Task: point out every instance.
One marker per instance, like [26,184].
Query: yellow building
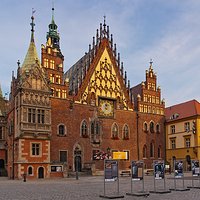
[183,133]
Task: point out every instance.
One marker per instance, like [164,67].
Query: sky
[168,32]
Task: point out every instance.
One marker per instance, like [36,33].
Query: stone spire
[31,55]
[1,94]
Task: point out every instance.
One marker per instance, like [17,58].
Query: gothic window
[125,132]
[145,151]
[151,127]
[145,127]
[61,130]
[152,149]
[84,130]
[92,128]
[30,171]
[115,132]
[157,128]
[145,108]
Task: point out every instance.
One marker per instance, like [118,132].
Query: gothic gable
[34,79]
[104,80]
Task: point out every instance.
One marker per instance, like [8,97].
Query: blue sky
[166,31]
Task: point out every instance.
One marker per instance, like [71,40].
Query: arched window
[145,151]
[159,152]
[115,132]
[152,149]
[157,128]
[92,128]
[30,171]
[152,127]
[145,127]
[84,130]
[61,130]
[125,132]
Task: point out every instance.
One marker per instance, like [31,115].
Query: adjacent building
[182,133]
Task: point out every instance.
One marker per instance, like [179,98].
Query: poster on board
[111,170]
[178,172]
[137,170]
[159,169]
[195,168]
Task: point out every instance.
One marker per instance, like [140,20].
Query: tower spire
[32,26]
[53,35]
[31,55]
[52,21]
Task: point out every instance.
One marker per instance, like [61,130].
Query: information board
[159,169]
[137,170]
[195,168]
[117,155]
[178,168]
[111,170]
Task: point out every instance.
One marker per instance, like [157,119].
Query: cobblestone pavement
[89,188]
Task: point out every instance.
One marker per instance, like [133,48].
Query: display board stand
[137,175]
[195,174]
[111,176]
[179,175]
[159,175]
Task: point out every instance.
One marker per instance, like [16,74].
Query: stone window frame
[40,149]
[32,170]
[145,127]
[58,130]
[126,135]
[152,126]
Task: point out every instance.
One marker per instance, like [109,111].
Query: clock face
[106,108]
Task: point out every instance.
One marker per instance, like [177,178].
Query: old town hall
[60,121]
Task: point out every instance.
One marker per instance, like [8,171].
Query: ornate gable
[99,74]
[34,79]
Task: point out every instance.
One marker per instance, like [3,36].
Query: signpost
[111,175]
[137,174]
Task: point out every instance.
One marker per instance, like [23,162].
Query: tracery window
[115,132]
[84,130]
[126,132]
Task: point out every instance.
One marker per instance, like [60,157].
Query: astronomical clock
[106,108]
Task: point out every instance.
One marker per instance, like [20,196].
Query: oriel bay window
[32,113]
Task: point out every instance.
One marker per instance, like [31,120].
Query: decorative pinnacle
[104,22]
[52,11]
[32,26]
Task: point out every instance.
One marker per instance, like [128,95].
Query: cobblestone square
[89,188]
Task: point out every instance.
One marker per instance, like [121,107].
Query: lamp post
[76,161]
[108,152]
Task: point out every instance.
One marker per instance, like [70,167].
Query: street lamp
[76,161]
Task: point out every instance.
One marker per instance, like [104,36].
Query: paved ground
[89,188]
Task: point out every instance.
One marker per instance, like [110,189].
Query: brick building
[67,121]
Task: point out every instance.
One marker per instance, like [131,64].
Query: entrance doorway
[188,163]
[77,163]
[41,172]
[1,164]
[77,158]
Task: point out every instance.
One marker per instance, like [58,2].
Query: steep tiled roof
[182,110]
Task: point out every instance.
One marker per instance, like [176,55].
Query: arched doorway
[77,159]
[40,172]
[188,163]
[1,164]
